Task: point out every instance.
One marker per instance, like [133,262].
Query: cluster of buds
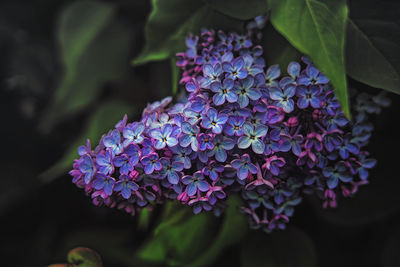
[239,129]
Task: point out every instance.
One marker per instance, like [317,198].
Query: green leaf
[318,30]
[371,59]
[84,257]
[94,50]
[239,9]
[179,239]
[99,123]
[291,247]
[233,229]
[171,21]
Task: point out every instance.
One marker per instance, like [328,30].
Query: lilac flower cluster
[240,129]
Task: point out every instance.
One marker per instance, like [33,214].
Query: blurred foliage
[65,75]
[81,257]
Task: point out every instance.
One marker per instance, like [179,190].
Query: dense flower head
[241,128]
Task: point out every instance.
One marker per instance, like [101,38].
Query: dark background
[42,217]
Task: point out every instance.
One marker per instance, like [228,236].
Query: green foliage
[371,58]
[318,30]
[94,48]
[100,121]
[239,9]
[182,237]
[291,247]
[171,21]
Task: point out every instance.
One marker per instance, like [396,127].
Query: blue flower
[211,74]
[347,147]
[124,163]
[189,136]
[151,163]
[125,185]
[309,96]
[234,126]
[366,164]
[312,76]
[235,69]
[253,136]
[195,183]
[86,167]
[243,166]
[184,155]
[335,174]
[113,141]
[214,121]
[245,90]
[212,170]
[104,163]
[205,141]
[133,133]
[223,92]
[164,137]
[221,145]
[283,98]
[104,182]
[273,73]
[170,170]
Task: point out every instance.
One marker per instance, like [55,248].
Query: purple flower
[253,136]
[86,167]
[235,69]
[308,96]
[124,163]
[223,92]
[192,116]
[205,141]
[151,163]
[221,146]
[313,140]
[212,170]
[170,170]
[214,120]
[199,204]
[214,193]
[274,163]
[104,163]
[125,185]
[104,182]
[234,126]
[189,136]
[243,166]
[245,90]
[82,150]
[292,142]
[133,133]
[195,183]
[113,141]
[283,98]
[164,137]
[312,76]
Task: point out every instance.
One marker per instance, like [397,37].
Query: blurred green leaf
[233,229]
[277,50]
[239,9]
[291,247]
[171,21]
[84,257]
[81,257]
[94,49]
[374,58]
[178,240]
[318,30]
[100,122]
